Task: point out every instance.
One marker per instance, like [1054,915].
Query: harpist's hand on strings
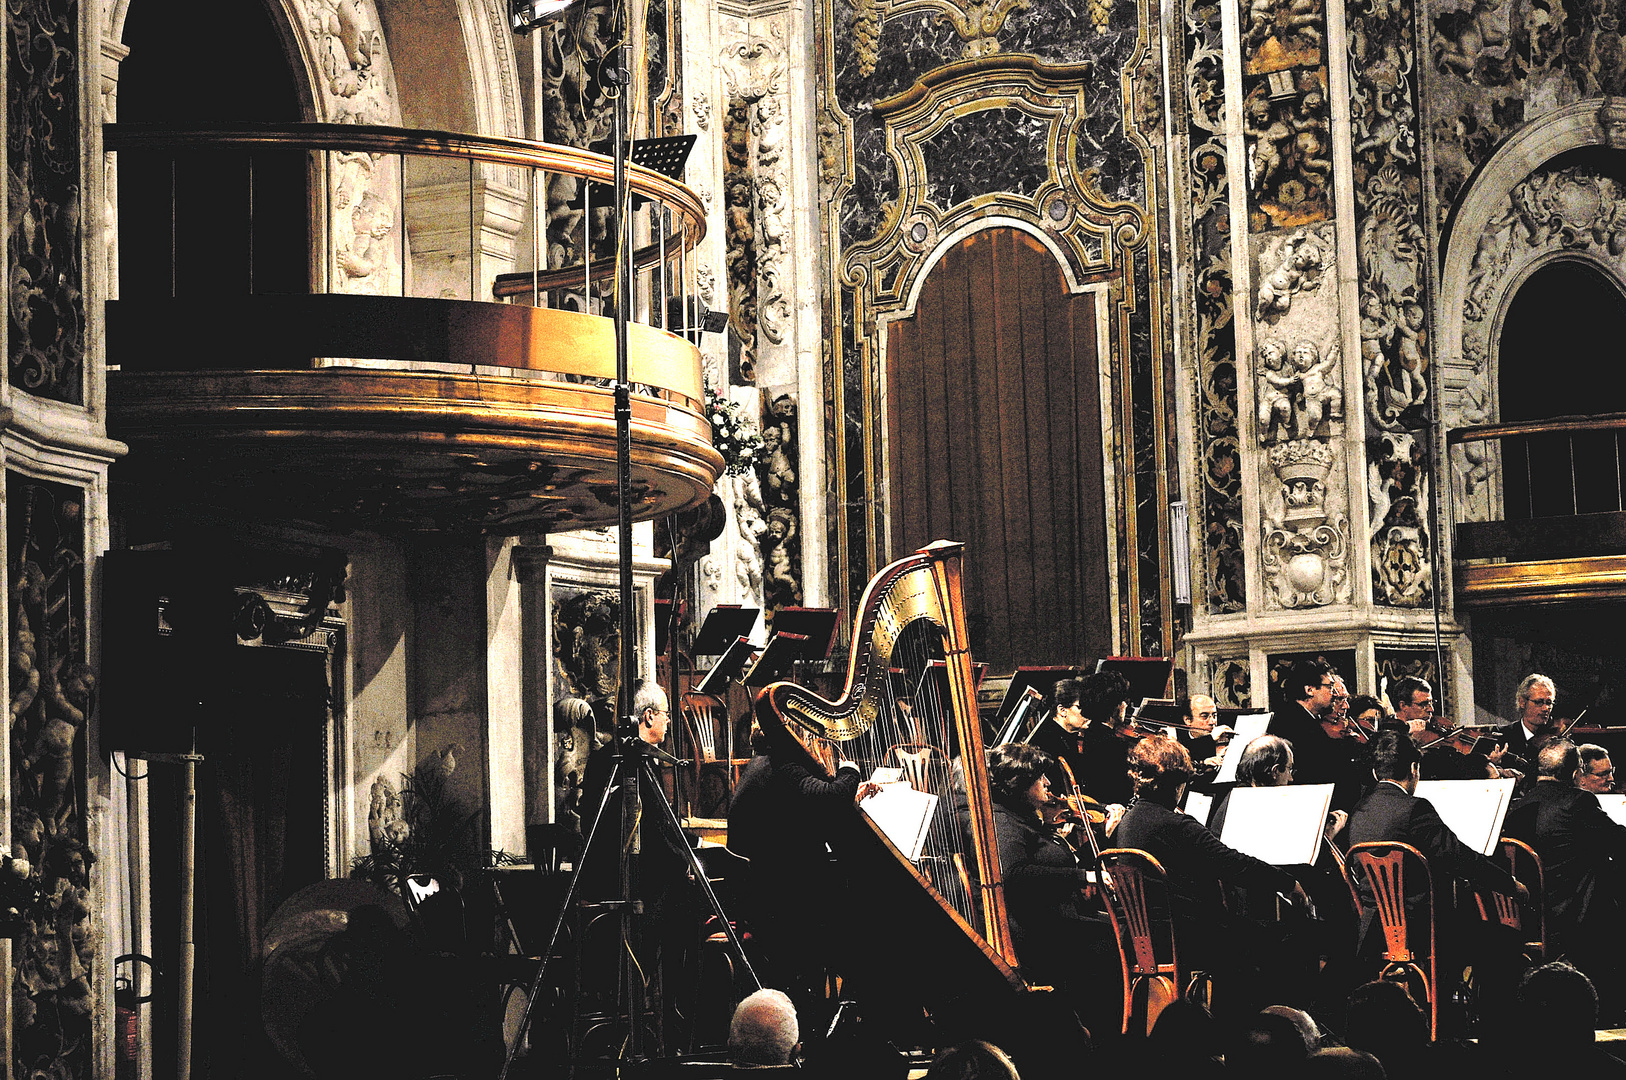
[866,789]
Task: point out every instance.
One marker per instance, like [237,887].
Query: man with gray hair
[1533,703]
[763,1032]
[1580,849]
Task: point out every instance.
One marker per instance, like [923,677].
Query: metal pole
[189,836]
[630,806]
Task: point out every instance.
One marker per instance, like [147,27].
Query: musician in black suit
[1582,852]
[1307,721]
[1390,811]
[1534,704]
[1197,865]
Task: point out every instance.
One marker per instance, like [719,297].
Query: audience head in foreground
[975,1060]
[764,1030]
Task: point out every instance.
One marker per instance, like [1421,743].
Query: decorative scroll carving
[1230,682]
[575,112]
[1281,33]
[1570,212]
[1091,230]
[45,272]
[53,995]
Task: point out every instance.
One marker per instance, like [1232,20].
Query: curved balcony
[1557,515]
[309,328]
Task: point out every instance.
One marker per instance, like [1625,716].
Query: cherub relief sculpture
[1275,389]
[1299,271]
[1318,385]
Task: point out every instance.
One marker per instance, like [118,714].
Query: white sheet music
[903,814]
[1281,825]
[1473,809]
[1614,806]
[1248,727]
[1199,805]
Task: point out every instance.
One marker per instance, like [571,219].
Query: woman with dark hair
[1058,940]
[1197,865]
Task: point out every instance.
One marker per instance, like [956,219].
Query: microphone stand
[631,765]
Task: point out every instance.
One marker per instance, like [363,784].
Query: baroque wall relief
[1394,300]
[1299,420]
[1496,67]
[1567,213]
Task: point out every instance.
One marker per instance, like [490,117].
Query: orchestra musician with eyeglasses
[1310,720]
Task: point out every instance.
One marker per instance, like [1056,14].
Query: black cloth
[1318,758]
[1390,813]
[1058,940]
[1443,762]
[663,863]
[1098,758]
[1582,852]
[1255,962]
[1518,740]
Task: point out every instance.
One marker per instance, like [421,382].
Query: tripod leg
[564,913]
[674,830]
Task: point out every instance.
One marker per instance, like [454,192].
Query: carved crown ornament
[977,22]
[1025,107]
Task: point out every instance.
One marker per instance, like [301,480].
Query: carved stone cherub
[1275,388]
[1299,271]
[1318,381]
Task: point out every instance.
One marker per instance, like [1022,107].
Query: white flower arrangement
[733,434]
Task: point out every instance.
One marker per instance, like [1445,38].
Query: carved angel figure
[1275,388]
[1318,381]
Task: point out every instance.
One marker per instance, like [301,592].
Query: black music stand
[1148,676]
[723,625]
[1043,680]
[817,624]
[666,156]
[780,654]
[727,668]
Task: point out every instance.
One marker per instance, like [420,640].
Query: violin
[1459,739]
[1358,731]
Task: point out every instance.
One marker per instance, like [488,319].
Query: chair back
[1409,951]
[925,766]
[1142,920]
[1529,917]
[700,721]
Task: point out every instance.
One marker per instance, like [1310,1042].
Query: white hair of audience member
[763,1031]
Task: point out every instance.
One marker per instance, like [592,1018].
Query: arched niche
[1555,192]
[993,436]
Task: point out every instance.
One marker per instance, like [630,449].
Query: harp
[909,704]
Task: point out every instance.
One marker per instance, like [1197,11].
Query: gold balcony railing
[344,294]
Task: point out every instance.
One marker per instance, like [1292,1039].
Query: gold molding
[1545,581]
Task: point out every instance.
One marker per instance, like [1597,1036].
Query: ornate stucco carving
[1298,419]
[1092,231]
[700,105]
[1568,213]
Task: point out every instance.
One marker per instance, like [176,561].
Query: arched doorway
[994,438]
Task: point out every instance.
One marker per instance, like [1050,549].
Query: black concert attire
[1247,955]
[1519,740]
[1583,853]
[1061,745]
[1318,758]
[1389,812]
[1441,761]
[1097,757]
[1058,940]
[780,817]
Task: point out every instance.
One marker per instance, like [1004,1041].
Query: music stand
[777,657]
[727,668]
[1043,680]
[1148,676]
[666,156]
[723,625]
[817,624]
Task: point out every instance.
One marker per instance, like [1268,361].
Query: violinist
[1367,715]
[1534,702]
[1449,753]
[1304,721]
[1058,940]
[1081,733]
[1207,737]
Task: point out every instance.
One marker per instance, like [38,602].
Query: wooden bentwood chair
[1387,868]
[1527,919]
[1143,922]
[715,770]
